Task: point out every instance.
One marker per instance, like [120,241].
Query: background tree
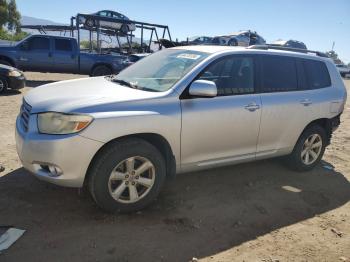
[14,17]
[3,13]
[332,54]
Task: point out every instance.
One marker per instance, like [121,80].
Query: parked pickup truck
[45,53]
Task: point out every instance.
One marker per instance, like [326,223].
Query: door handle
[252,107]
[306,102]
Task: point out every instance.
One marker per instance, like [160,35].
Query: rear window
[317,75]
[63,45]
[279,74]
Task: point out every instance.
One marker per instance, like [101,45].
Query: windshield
[159,71]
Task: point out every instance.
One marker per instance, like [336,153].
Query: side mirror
[203,88]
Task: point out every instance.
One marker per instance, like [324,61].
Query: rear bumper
[72,154]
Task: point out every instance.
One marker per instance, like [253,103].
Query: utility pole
[333,46]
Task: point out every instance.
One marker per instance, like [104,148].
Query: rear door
[287,107]
[37,56]
[64,56]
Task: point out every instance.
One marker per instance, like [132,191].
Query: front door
[36,54]
[225,128]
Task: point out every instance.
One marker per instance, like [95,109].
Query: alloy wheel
[131,180]
[311,149]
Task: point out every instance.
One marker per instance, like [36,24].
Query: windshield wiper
[128,84]
[123,82]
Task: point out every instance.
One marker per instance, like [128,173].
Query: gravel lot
[252,212]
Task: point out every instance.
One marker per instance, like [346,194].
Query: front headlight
[14,73]
[59,123]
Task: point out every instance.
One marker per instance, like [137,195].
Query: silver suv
[179,110]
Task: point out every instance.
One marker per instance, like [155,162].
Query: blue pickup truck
[46,53]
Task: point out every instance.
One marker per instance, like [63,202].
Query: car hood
[7,46]
[87,95]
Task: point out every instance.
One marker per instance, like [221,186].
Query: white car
[107,19]
[344,70]
[242,38]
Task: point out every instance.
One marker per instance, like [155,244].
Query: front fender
[108,126]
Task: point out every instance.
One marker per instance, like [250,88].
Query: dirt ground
[252,212]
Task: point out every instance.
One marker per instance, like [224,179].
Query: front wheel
[101,70]
[126,176]
[309,149]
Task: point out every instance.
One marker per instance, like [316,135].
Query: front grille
[24,114]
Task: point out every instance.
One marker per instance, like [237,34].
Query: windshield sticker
[189,56]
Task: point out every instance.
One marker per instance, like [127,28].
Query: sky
[318,23]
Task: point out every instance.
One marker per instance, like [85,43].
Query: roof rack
[299,50]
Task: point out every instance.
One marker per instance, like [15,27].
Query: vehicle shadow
[197,214]
[11,92]
[36,83]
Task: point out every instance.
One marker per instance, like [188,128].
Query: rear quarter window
[317,75]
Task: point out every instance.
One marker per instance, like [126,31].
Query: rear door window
[278,74]
[317,75]
[63,45]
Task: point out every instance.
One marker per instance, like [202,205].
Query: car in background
[58,54]
[344,70]
[290,44]
[200,40]
[242,38]
[10,78]
[133,58]
[107,19]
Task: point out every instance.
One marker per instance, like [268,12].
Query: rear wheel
[233,42]
[309,149]
[124,29]
[101,70]
[126,176]
[90,23]
[3,85]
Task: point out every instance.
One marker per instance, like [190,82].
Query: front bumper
[71,153]
[16,82]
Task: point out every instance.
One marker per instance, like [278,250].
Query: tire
[3,85]
[296,161]
[101,70]
[113,157]
[232,42]
[124,29]
[4,62]
[90,23]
